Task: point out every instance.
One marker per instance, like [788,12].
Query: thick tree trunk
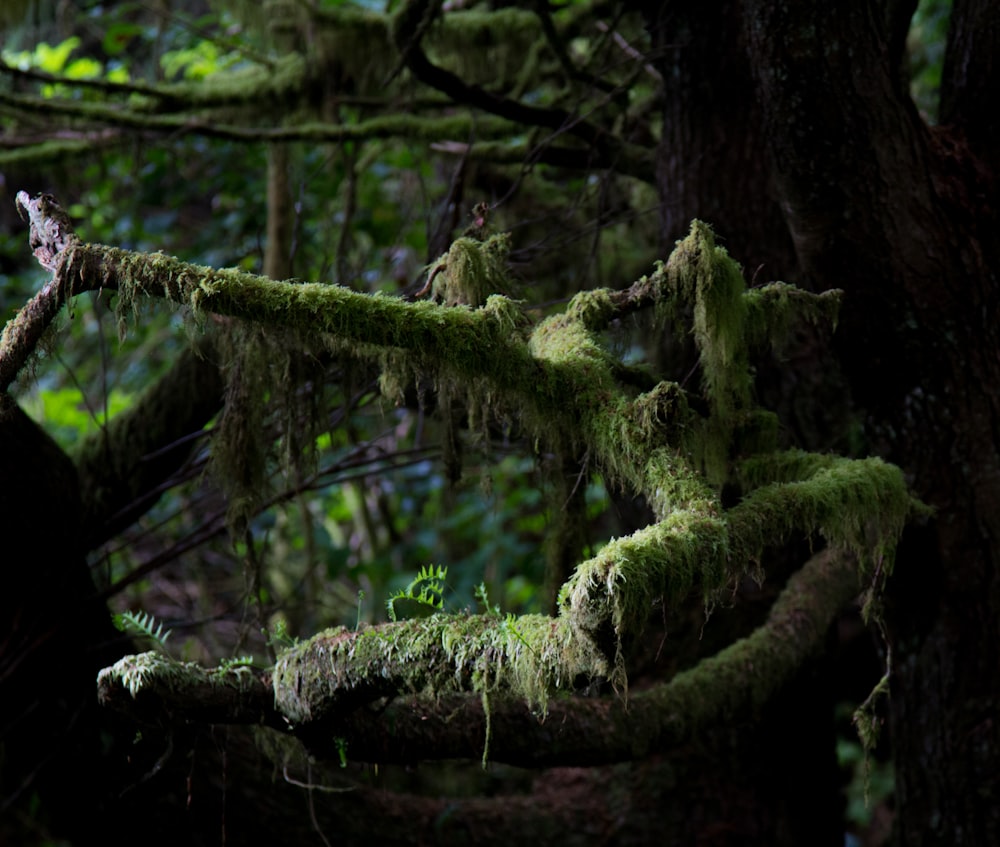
[904,219]
[713,165]
[712,159]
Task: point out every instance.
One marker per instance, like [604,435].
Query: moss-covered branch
[296,88]
[318,686]
[149,684]
[199,122]
[335,672]
[561,382]
[409,28]
[728,688]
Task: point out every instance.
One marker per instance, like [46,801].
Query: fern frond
[426,588]
[142,623]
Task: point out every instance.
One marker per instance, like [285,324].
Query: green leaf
[53,59]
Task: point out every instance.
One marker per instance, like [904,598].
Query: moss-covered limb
[268,77]
[729,317]
[861,505]
[123,467]
[728,688]
[282,90]
[398,125]
[29,150]
[858,505]
[151,686]
[339,670]
[609,597]
[765,468]
[772,309]
[472,343]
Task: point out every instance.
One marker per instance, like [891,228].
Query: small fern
[483,598]
[236,662]
[142,623]
[510,627]
[427,589]
[279,637]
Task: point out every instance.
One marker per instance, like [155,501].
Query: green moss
[58,151]
[487,48]
[591,309]
[527,656]
[784,466]
[471,271]
[281,81]
[702,274]
[560,381]
[860,505]
[772,308]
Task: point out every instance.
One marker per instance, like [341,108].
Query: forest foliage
[482,427]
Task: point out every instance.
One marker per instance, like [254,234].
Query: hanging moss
[471,271]
[783,466]
[772,309]
[858,504]
[527,656]
[560,380]
[702,274]
[487,48]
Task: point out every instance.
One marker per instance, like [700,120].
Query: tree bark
[903,218]
[712,158]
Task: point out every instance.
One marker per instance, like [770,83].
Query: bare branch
[50,236]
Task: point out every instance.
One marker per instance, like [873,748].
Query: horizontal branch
[559,378]
[729,687]
[609,150]
[399,125]
[151,685]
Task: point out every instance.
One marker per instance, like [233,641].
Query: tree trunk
[903,218]
[712,158]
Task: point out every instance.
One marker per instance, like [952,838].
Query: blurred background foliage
[337,540]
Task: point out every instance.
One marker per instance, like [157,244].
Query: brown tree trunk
[713,164]
[712,159]
[904,219]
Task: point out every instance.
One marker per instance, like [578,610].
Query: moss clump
[701,274]
[527,656]
[591,309]
[471,271]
